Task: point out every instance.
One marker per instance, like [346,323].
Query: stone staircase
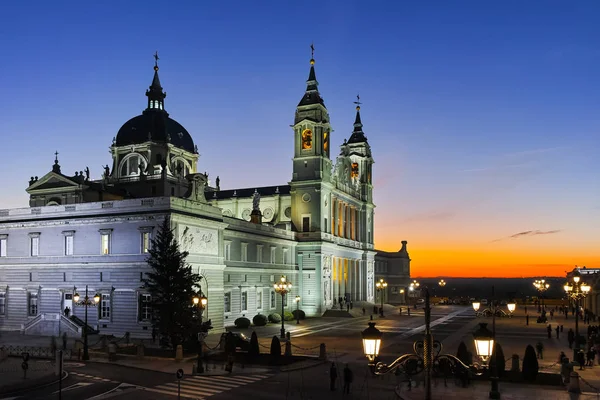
[51,324]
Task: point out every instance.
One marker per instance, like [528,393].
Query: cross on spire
[156,60]
[56,156]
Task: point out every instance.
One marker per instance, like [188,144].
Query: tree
[498,358]
[171,285]
[530,364]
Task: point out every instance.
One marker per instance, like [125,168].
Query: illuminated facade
[317,230]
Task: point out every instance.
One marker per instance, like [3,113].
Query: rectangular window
[2,303]
[227,302]
[227,251]
[105,306]
[272,299]
[145,241]
[285,256]
[35,246]
[259,250]
[3,244]
[105,241]
[273,255]
[68,245]
[244,256]
[145,311]
[259,299]
[244,301]
[33,304]
[305,224]
[325,224]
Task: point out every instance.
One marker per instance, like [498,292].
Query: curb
[141,368]
[32,384]
[300,367]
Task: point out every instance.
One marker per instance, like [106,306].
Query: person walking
[557,331]
[348,377]
[549,329]
[332,376]
[527,319]
[571,337]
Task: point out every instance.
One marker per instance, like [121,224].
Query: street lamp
[442,283]
[512,306]
[476,306]
[423,359]
[200,302]
[86,302]
[283,287]
[541,286]
[414,285]
[297,300]
[576,290]
[381,286]
[484,342]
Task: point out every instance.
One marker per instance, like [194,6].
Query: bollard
[287,336]
[179,353]
[322,352]
[112,352]
[515,363]
[140,350]
[288,349]
[574,383]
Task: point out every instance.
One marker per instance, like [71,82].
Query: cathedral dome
[154,125]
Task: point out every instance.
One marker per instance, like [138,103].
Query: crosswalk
[201,387]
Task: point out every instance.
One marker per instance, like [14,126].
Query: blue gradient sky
[483,118]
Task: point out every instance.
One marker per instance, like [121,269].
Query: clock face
[306,139]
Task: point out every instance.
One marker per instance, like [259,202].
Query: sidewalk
[11,374]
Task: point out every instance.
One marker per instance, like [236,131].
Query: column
[356,280]
[355,224]
[332,207]
[334,275]
[339,218]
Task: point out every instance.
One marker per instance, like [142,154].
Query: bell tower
[311,133]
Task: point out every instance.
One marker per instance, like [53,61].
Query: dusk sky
[483,117]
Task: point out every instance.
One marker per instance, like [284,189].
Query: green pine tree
[171,285]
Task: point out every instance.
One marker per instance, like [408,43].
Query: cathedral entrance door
[67,302]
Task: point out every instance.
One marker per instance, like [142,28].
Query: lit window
[272,299]
[32,304]
[3,244]
[145,241]
[306,139]
[244,301]
[105,242]
[354,171]
[145,310]
[227,302]
[105,306]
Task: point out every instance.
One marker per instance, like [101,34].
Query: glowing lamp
[484,342]
[76,297]
[511,307]
[476,306]
[96,298]
[371,341]
[585,288]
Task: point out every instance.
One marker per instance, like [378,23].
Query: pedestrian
[551,314]
[527,319]
[557,331]
[561,357]
[590,357]
[525,309]
[351,305]
[332,376]
[348,307]
[408,311]
[571,337]
[348,377]
[364,311]
[67,312]
[549,329]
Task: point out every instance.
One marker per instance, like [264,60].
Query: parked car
[484,302]
[242,341]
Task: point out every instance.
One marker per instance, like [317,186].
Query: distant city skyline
[482,118]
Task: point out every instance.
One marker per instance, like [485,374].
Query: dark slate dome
[154,125]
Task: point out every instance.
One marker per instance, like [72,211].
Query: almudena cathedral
[317,230]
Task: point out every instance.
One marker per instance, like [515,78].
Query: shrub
[463,354]
[254,350]
[302,314]
[530,364]
[259,320]
[275,318]
[288,316]
[498,358]
[275,350]
[242,322]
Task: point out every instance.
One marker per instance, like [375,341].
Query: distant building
[590,276]
[317,230]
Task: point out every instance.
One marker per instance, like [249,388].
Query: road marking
[76,386]
[439,321]
[336,325]
[202,386]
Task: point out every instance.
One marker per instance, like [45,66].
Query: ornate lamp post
[283,287]
[86,302]
[297,300]
[381,286]
[200,302]
[414,285]
[442,283]
[576,290]
[423,358]
[476,306]
[541,286]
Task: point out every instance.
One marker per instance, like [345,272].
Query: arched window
[130,166]
[179,167]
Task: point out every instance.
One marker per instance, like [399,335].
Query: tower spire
[358,136]
[312,95]
[155,94]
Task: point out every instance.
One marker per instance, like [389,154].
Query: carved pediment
[50,181]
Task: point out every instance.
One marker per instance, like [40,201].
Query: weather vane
[312,50]
[156,59]
[357,102]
